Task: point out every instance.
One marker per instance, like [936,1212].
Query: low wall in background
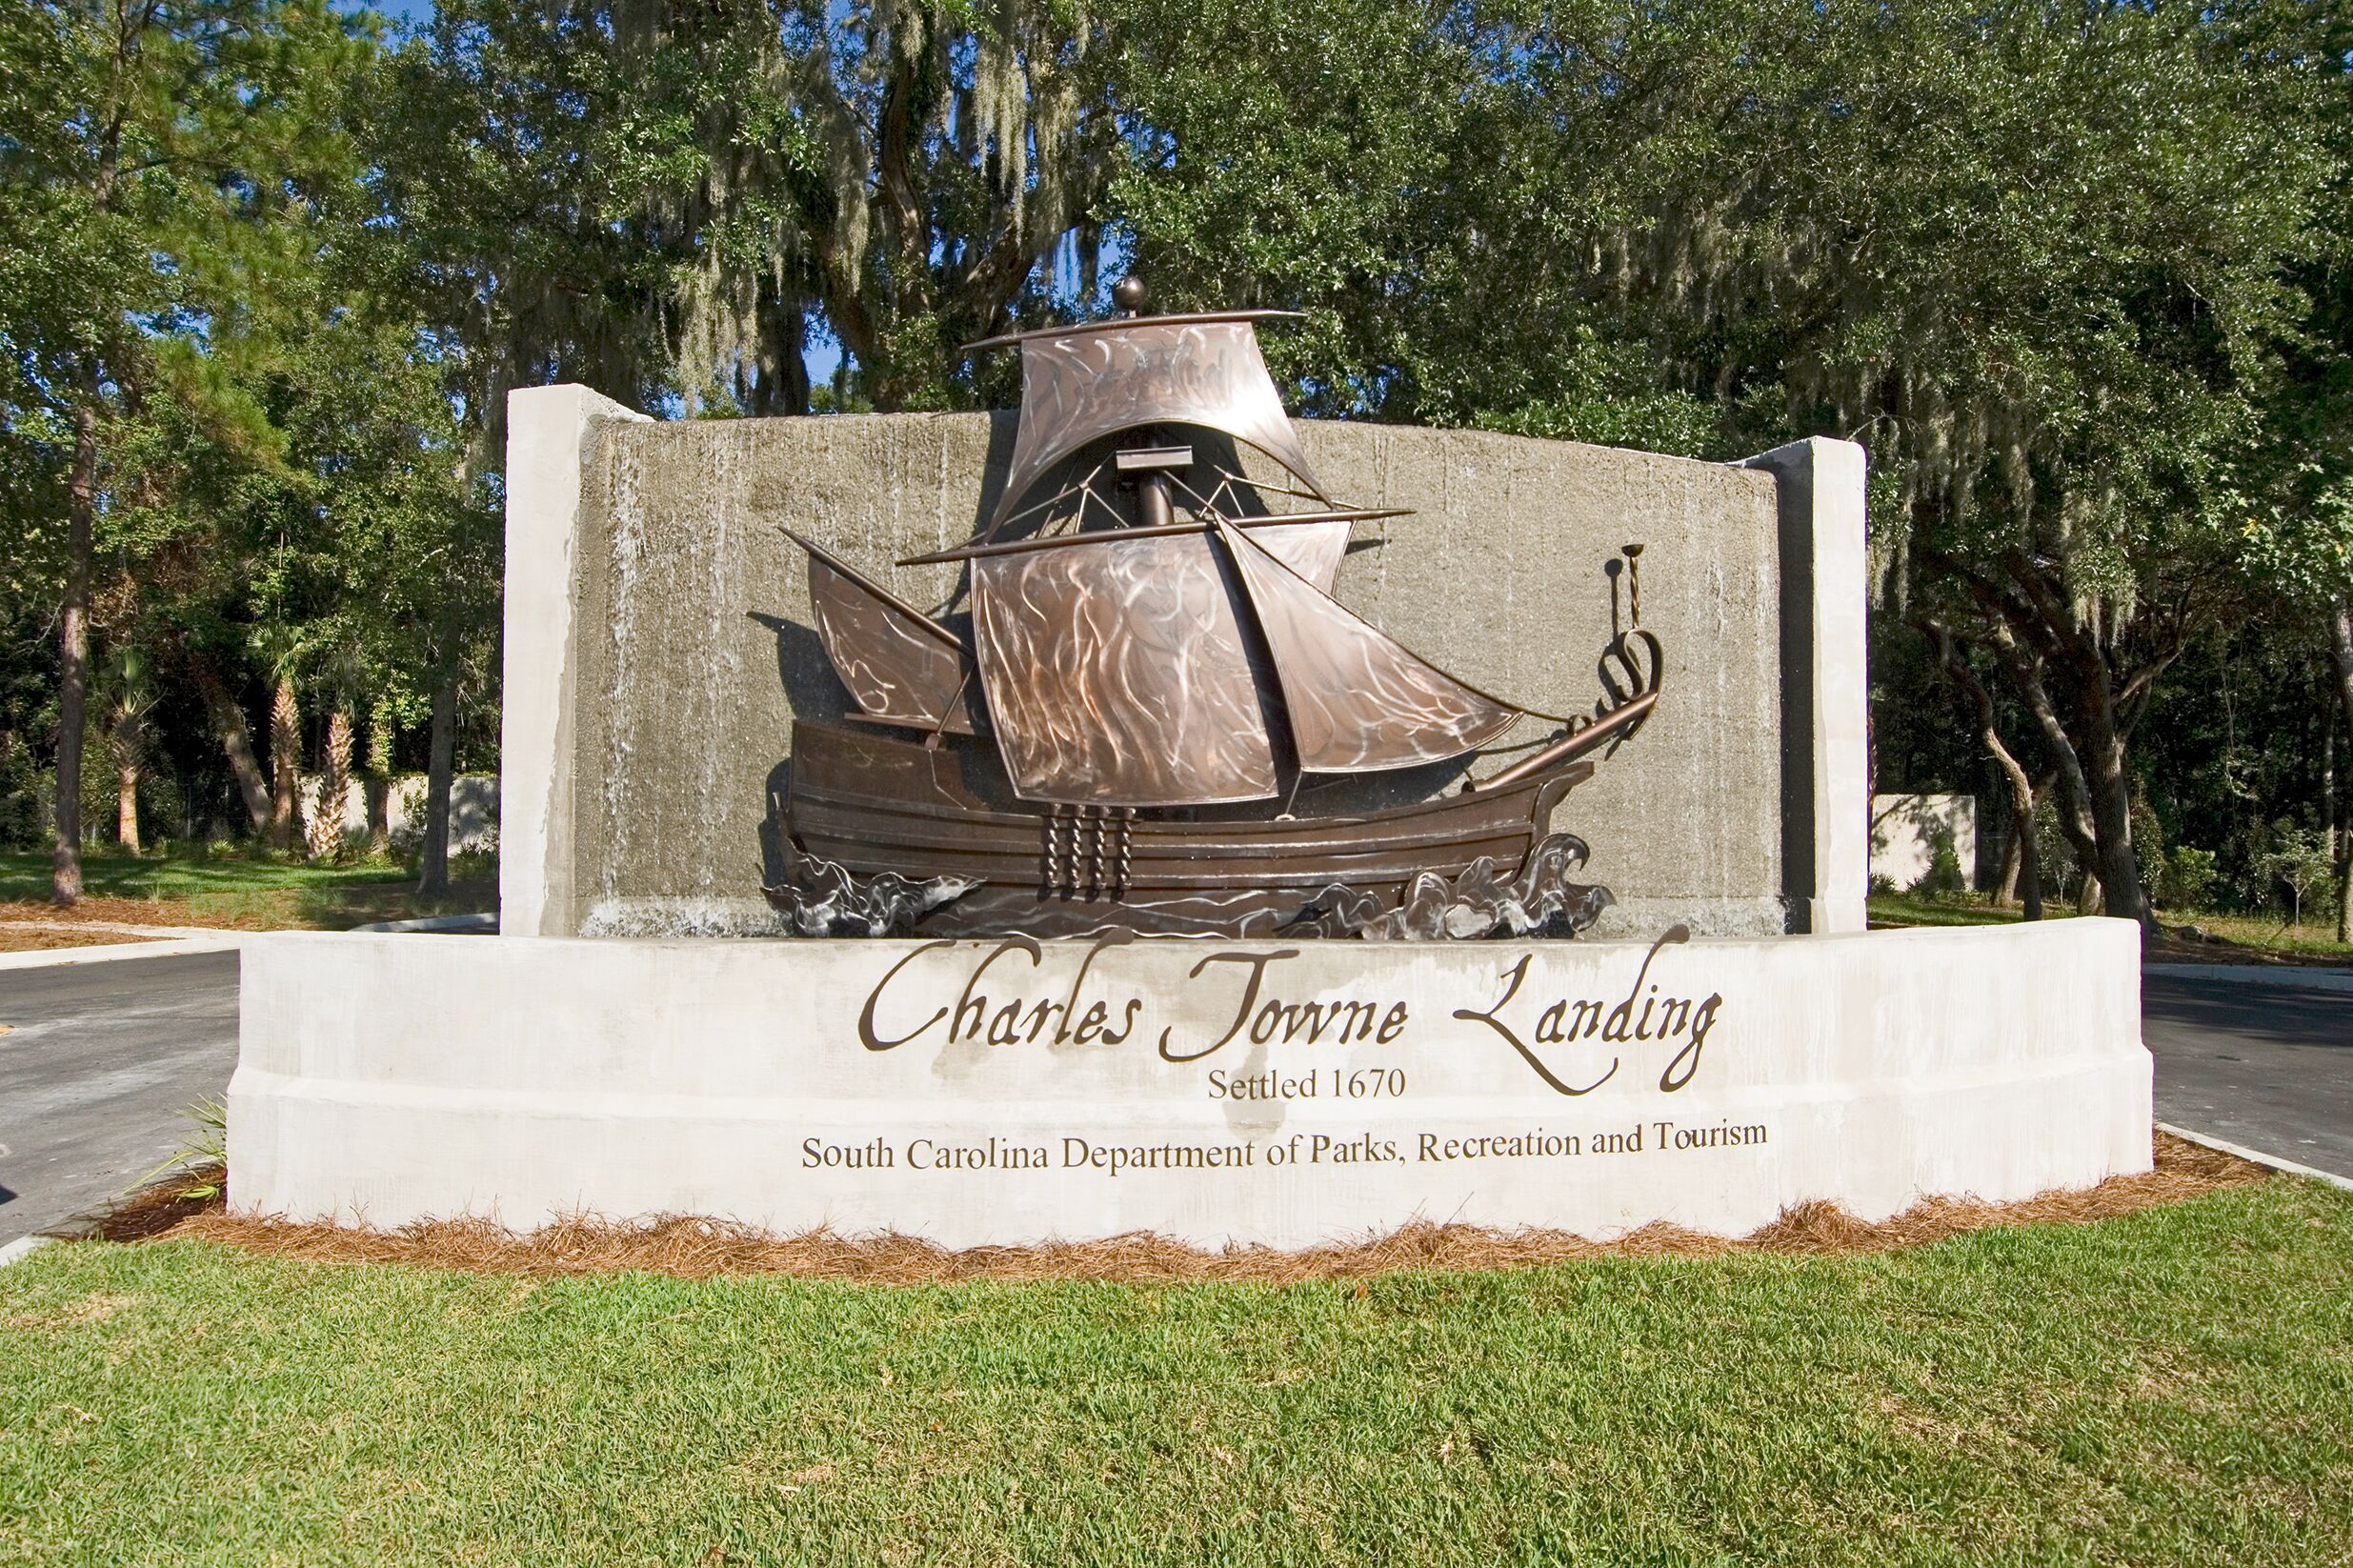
[980,1092]
[658,644]
[474,810]
[1905,830]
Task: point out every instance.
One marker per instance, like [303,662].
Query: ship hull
[873,805]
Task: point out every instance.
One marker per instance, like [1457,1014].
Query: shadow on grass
[1895,910]
[251,889]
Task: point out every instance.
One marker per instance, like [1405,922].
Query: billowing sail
[899,665]
[1357,701]
[1088,382]
[1311,550]
[1117,674]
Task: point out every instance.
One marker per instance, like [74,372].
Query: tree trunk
[432,878]
[2021,805]
[285,764]
[2021,860]
[2328,781]
[378,783]
[125,742]
[335,788]
[2029,853]
[65,878]
[2111,808]
[228,719]
[2341,646]
[2038,629]
[2074,820]
[378,789]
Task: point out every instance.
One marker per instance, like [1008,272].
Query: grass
[2262,930]
[2170,1387]
[2257,933]
[238,888]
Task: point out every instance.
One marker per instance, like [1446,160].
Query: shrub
[1944,873]
[2186,878]
[2297,864]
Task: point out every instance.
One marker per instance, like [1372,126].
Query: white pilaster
[547,431]
[1825,690]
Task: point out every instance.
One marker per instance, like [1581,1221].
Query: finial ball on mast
[1128,294]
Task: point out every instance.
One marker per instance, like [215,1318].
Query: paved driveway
[98,1061]
[2269,1066]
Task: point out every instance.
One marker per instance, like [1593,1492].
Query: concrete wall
[658,643]
[387,1079]
[1904,831]
[474,810]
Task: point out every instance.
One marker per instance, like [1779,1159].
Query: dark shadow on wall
[810,691]
[1004,425]
[775,834]
[810,688]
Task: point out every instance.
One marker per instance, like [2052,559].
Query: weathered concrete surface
[970,1092]
[1825,711]
[690,647]
[548,459]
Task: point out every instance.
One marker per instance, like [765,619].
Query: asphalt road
[97,1063]
[100,1059]
[2266,1066]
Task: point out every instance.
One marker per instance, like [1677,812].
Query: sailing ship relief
[1156,678]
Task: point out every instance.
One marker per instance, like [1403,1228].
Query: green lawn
[1923,909]
[2171,1387]
[251,889]
[2259,932]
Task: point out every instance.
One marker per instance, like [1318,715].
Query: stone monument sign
[1204,791]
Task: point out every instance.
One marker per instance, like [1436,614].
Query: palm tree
[130,698]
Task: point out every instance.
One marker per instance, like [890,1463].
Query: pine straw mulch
[699,1249]
[44,938]
[99,909]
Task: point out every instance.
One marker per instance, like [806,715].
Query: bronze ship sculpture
[1117,740]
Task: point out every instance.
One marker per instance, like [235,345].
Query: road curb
[460,925]
[106,952]
[2310,980]
[22,1248]
[2270,1162]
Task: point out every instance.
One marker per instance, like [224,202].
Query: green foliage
[201,1164]
[2190,874]
[2294,867]
[2050,266]
[668,202]
[1945,872]
[2073,276]
[2060,873]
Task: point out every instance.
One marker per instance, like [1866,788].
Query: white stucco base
[387,1079]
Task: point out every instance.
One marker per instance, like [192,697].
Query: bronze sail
[1155,690]
[901,666]
[1357,700]
[1312,551]
[1085,383]
[1117,674]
